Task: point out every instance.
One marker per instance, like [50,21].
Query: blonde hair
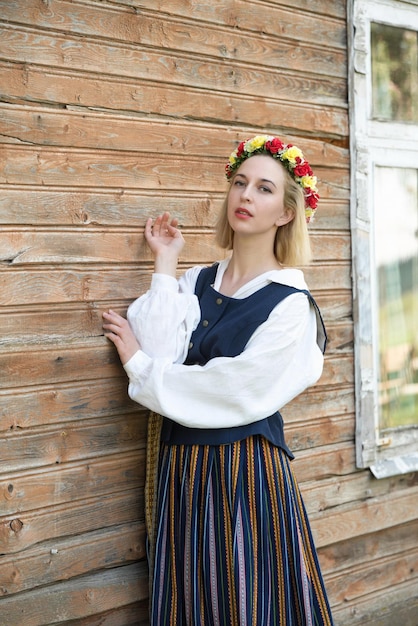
[292,246]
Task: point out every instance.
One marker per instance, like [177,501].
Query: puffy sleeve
[281,359]
[164,318]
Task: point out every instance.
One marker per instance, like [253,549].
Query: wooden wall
[110,112]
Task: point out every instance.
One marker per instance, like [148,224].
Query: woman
[217,353]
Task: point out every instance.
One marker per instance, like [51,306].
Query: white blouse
[281,359]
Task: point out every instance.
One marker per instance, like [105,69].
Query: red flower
[303,169]
[240,149]
[311,198]
[274,145]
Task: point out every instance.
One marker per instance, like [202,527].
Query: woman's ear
[286,217]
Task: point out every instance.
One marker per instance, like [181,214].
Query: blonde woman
[217,353]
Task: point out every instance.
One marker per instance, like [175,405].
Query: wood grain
[78,89]
[77,597]
[179,68]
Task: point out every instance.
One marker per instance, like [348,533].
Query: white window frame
[385,144]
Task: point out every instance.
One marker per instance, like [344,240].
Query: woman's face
[255,199]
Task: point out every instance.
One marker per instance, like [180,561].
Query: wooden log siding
[110,112]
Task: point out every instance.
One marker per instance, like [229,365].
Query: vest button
[190,345]
[205,323]
[218,300]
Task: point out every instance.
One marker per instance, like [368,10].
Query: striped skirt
[233,546]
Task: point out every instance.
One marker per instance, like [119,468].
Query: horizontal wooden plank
[112,131]
[117,171]
[51,364]
[316,432]
[338,371]
[355,552]
[336,305]
[62,559]
[377,575]
[32,84]
[335,276]
[361,518]
[107,169]
[98,358]
[94,246]
[318,403]
[77,598]
[69,482]
[331,215]
[73,441]
[62,323]
[336,9]
[136,614]
[69,207]
[323,462]
[35,406]
[98,284]
[20,44]
[397,604]
[83,320]
[72,285]
[340,337]
[91,245]
[95,207]
[355,487]
[45,406]
[76,441]
[26,528]
[244,15]
[159,30]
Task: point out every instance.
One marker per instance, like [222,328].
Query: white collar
[289,276]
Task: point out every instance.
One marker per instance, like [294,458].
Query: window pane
[396,255]
[394,73]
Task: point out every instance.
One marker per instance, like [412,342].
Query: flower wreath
[291,157]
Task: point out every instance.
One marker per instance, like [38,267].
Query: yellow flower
[233,157]
[291,153]
[255,143]
[308,181]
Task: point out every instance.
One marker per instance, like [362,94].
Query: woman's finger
[110,314]
[165,223]
[148,228]
[156,226]
[112,328]
[113,322]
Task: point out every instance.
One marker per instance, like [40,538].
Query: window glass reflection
[394,73]
[396,255]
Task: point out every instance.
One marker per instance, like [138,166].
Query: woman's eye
[239,183]
[266,189]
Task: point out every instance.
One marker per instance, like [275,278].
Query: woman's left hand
[117,329]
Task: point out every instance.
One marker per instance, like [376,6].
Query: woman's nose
[246,193]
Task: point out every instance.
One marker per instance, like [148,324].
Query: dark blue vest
[225,327]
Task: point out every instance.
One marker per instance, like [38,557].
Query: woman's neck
[244,266]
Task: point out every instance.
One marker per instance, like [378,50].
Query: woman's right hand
[165,241]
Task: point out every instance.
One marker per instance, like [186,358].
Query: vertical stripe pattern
[233,542]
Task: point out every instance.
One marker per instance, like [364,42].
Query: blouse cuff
[137,366]
[164,281]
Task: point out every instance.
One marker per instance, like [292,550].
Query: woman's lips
[243,213]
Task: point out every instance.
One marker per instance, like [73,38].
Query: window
[394,73]
[384,220]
